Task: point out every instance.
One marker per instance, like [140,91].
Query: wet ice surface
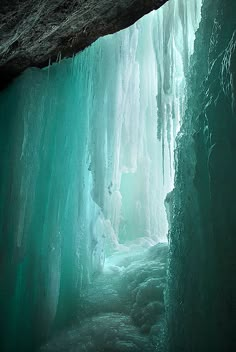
[123,309]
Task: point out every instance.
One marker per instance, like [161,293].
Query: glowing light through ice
[142,92]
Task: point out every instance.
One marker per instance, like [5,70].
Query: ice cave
[118,176]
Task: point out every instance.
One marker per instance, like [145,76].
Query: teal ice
[91,150]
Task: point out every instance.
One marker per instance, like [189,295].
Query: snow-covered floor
[123,309]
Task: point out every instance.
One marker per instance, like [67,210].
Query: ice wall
[144,107]
[68,135]
[126,163]
[46,206]
[201,298]
[173,38]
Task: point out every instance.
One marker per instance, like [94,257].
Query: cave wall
[201,294]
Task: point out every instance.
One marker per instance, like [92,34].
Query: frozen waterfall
[87,153]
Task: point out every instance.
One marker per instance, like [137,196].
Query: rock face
[201,273]
[36,32]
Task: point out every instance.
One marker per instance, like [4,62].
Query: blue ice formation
[87,159]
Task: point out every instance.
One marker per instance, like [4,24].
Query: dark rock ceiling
[32,32]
